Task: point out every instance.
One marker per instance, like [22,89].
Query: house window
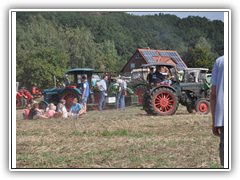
[132,65]
[138,56]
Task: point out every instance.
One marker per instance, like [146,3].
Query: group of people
[34,112]
[51,111]
[121,92]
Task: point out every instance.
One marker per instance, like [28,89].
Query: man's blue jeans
[102,96]
[122,101]
[118,98]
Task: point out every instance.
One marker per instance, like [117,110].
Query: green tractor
[198,75]
[163,98]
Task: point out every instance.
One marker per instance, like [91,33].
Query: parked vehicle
[36,93]
[23,96]
[163,98]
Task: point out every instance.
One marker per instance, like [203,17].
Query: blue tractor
[72,89]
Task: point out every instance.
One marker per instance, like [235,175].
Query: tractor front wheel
[202,106]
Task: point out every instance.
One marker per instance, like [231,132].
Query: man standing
[85,93]
[217,103]
[102,87]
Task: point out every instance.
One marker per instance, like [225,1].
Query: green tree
[200,57]
[37,68]
[109,57]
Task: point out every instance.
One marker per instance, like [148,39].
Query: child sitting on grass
[62,112]
[27,110]
[63,102]
[35,113]
[51,110]
[76,109]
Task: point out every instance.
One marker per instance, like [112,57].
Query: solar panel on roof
[180,65]
[150,53]
[150,59]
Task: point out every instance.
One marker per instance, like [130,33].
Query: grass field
[118,139]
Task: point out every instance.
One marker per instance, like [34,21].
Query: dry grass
[118,139]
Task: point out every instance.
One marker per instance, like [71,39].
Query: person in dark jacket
[158,77]
[149,76]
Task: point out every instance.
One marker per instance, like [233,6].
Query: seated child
[63,103]
[44,110]
[51,110]
[35,113]
[27,110]
[62,111]
[58,113]
[76,109]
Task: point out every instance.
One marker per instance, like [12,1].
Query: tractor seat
[71,86]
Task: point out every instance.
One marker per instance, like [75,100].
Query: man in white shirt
[217,103]
[102,87]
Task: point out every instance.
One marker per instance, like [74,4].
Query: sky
[209,15]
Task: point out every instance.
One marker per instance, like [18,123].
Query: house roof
[160,56]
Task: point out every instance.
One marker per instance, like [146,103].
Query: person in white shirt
[102,87]
[217,103]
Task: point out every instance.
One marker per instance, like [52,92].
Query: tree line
[49,43]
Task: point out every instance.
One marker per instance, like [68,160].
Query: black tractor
[164,98]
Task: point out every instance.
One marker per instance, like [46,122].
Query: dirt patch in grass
[118,139]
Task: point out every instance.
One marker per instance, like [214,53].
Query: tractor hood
[52,91]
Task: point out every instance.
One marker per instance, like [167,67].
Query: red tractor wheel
[163,102]
[68,96]
[202,106]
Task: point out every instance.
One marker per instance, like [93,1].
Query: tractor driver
[158,77]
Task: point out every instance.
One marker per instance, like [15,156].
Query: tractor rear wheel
[139,90]
[23,102]
[162,101]
[68,96]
